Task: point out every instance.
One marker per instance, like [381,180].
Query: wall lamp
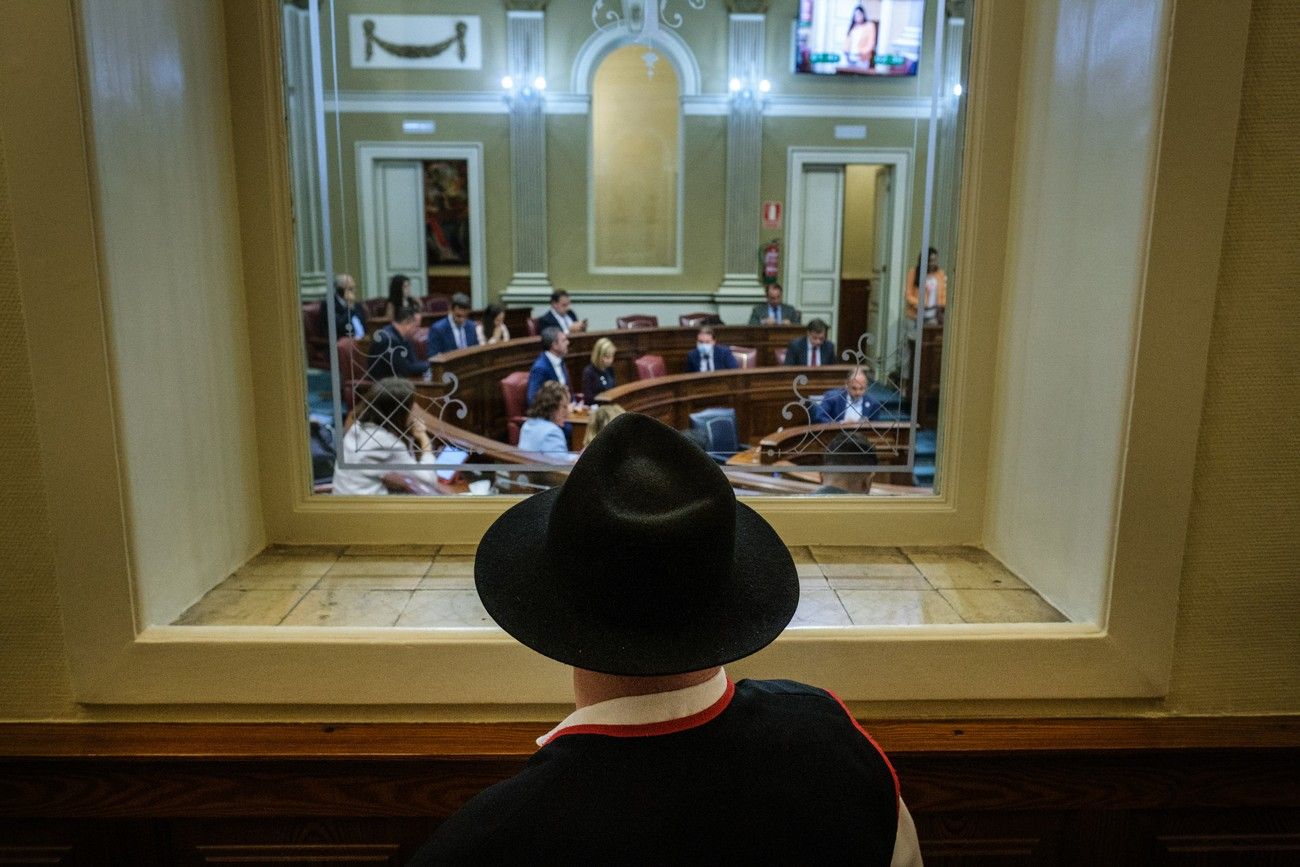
[513,90]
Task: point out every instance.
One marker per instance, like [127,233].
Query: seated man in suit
[550,364]
[349,316]
[813,349]
[708,355]
[847,450]
[773,312]
[849,403]
[455,331]
[560,316]
[392,350]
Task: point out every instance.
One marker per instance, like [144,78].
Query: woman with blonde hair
[601,416]
[598,376]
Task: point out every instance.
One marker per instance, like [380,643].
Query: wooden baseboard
[1063,791]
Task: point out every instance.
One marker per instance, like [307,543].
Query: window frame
[116,660]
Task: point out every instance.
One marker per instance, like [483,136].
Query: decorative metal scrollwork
[881,431]
[415,52]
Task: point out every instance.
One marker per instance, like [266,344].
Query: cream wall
[163,164]
[1237,646]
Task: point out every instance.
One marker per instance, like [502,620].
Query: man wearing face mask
[708,355]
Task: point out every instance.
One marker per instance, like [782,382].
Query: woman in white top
[494,318]
[543,431]
[384,436]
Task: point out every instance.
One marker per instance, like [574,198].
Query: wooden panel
[480,369]
[1052,792]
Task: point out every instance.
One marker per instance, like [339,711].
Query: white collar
[553,358]
[646,710]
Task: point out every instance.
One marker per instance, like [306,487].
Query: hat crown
[646,522]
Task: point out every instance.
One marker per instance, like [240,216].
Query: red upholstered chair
[533,328]
[352,369]
[318,341]
[374,307]
[514,392]
[437,305]
[650,366]
[695,320]
[637,320]
[746,356]
[779,355]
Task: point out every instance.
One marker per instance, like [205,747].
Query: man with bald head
[849,403]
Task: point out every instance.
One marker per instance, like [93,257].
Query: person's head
[849,450]
[856,384]
[387,404]
[493,315]
[685,577]
[931,261]
[399,290]
[406,320]
[460,305]
[555,341]
[560,301]
[602,355]
[345,287]
[816,332]
[601,416]
[774,293]
[704,338]
[859,17]
[551,402]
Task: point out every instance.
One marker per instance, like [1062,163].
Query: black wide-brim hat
[641,563]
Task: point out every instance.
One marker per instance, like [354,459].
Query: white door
[398,231]
[817,283]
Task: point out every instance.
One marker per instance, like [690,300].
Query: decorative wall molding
[744,155]
[526,60]
[696,105]
[426,41]
[602,42]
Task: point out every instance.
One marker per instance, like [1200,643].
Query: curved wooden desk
[758,395]
[479,369]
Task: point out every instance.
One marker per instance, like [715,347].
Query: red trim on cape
[866,734]
[647,730]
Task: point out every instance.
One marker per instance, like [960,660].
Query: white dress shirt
[380,450]
[558,364]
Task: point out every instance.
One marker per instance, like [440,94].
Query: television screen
[858,37]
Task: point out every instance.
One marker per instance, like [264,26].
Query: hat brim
[515,583]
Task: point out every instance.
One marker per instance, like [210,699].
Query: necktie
[814,356]
[706,363]
[460,336]
[776,315]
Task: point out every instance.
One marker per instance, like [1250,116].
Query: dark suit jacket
[796,354]
[834,402]
[594,381]
[391,355]
[342,318]
[442,335]
[789,315]
[541,372]
[722,359]
[550,320]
